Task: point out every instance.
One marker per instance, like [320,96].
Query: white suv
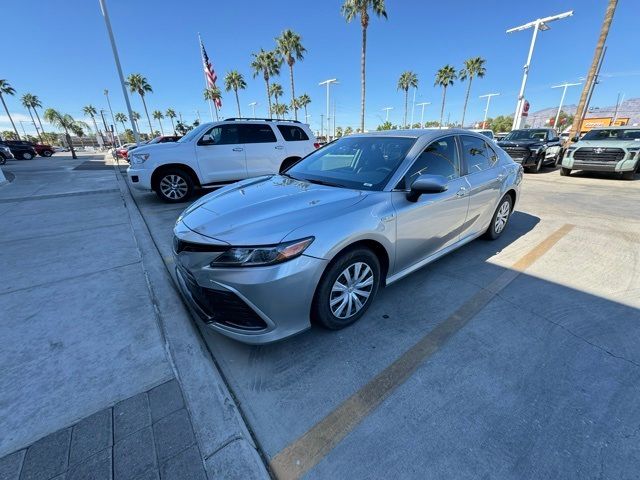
[219,153]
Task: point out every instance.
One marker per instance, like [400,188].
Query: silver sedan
[261,259]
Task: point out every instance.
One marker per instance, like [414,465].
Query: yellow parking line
[303,454]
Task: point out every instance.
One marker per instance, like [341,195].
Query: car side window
[291,133]
[477,154]
[256,133]
[438,158]
[221,135]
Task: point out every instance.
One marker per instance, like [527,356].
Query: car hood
[607,143]
[263,210]
[156,147]
[520,143]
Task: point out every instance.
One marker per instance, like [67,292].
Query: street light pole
[328,84]
[539,24]
[115,125]
[486,109]
[253,108]
[387,110]
[23,130]
[105,126]
[564,87]
[116,57]
[423,104]
[413,106]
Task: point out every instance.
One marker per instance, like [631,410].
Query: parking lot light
[486,109]
[564,87]
[423,104]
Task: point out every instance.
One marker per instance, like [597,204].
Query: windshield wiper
[322,182]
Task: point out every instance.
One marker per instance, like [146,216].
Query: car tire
[565,172]
[288,163]
[628,175]
[47,153]
[2,160]
[334,308]
[558,161]
[500,218]
[26,156]
[539,164]
[174,186]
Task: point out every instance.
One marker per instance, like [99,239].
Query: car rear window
[291,133]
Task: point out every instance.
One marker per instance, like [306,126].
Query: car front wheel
[174,186]
[346,289]
[565,172]
[500,218]
[27,156]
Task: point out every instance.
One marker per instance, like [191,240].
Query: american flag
[209,73]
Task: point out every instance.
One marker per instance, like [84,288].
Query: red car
[44,150]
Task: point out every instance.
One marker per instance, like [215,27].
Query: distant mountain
[629,108]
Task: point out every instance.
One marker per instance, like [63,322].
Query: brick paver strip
[165,399]
[134,455]
[186,465]
[131,415]
[173,434]
[97,467]
[11,464]
[47,457]
[90,436]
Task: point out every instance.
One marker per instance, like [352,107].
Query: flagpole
[206,84]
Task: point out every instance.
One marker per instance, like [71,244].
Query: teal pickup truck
[610,149]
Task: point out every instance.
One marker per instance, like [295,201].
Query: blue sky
[66,60]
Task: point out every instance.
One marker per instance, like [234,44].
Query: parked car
[533,148]
[159,139]
[44,150]
[260,259]
[123,149]
[486,132]
[5,153]
[610,149]
[58,148]
[219,153]
[20,150]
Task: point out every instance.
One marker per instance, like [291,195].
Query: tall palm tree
[135,116]
[171,114]
[215,95]
[90,111]
[235,81]
[138,84]
[157,115]
[276,91]
[121,118]
[289,46]
[35,104]
[303,101]
[280,110]
[406,81]
[27,102]
[67,123]
[6,89]
[268,64]
[473,67]
[444,78]
[350,10]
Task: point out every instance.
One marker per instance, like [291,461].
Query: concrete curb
[224,440]
[3,180]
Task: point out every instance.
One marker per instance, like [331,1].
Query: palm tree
[289,46]
[121,118]
[27,102]
[348,131]
[276,91]
[350,10]
[91,111]
[406,81]
[6,89]
[215,96]
[157,115]
[444,78]
[473,67]
[303,101]
[135,116]
[67,123]
[235,81]
[171,114]
[138,84]
[35,104]
[280,110]
[268,64]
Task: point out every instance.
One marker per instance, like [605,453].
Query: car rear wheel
[47,153]
[346,289]
[500,218]
[565,172]
[27,156]
[174,185]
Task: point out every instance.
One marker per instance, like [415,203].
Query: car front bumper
[253,305]
[140,178]
[601,166]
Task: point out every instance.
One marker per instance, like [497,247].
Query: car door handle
[462,192]
[279,147]
[238,149]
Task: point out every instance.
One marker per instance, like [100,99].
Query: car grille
[223,307]
[518,154]
[182,246]
[595,154]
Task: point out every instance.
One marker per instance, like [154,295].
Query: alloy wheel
[501,217]
[174,187]
[351,290]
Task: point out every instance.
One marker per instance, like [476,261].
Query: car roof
[415,132]
[617,127]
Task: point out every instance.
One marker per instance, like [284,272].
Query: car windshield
[362,163]
[528,134]
[612,134]
[194,133]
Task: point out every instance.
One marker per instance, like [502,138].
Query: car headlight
[139,157]
[258,256]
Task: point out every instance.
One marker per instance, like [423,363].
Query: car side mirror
[206,140]
[426,184]
[555,139]
[575,139]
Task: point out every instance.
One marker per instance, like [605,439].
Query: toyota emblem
[598,150]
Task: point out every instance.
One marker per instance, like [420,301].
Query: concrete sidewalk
[90,369]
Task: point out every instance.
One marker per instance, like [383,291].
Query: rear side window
[291,133]
[256,134]
[477,154]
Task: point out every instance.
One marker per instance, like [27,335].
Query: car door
[296,140]
[435,220]
[264,151]
[220,154]
[484,175]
